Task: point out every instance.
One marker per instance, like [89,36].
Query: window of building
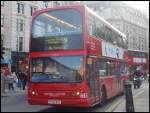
[56,3]
[20,43]
[20,8]
[2,3]
[17,25]
[2,40]
[20,25]
[32,9]
[34,2]
[2,20]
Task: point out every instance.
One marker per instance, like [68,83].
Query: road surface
[18,103]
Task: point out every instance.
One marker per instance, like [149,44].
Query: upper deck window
[99,29]
[137,54]
[57,30]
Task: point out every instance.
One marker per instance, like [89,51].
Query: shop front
[19,61]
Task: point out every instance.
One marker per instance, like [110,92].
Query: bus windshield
[57,69]
[57,30]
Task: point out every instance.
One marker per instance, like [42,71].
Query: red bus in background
[137,60]
[76,58]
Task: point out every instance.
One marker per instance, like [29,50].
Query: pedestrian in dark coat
[24,80]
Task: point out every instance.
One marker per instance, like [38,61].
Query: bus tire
[103,96]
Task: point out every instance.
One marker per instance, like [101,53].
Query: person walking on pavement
[10,80]
[6,71]
[19,74]
[15,79]
[24,80]
[3,81]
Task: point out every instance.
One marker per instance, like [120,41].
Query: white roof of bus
[107,23]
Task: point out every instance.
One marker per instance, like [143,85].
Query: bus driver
[51,68]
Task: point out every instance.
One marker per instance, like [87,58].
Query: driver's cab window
[37,66]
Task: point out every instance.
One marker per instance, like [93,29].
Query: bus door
[93,79]
[118,78]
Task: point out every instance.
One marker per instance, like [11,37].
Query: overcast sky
[138,4]
[143,6]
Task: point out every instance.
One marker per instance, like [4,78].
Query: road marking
[111,108]
[139,93]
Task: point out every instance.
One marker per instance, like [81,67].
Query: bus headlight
[33,92]
[78,93]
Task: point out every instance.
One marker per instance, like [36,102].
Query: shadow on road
[69,109]
[98,107]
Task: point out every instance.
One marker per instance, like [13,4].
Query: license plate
[54,101]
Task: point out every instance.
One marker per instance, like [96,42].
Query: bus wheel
[103,96]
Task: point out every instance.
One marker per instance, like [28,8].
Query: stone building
[15,25]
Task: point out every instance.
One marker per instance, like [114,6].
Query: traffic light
[2,52]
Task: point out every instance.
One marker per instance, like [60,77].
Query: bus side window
[101,68]
[91,24]
[99,30]
[123,68]
[110,68]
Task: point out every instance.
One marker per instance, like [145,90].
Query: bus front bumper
[64,102]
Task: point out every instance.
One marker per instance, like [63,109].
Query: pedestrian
[19,74]
[10,81]
[3,81]
[6,71]
[15,79]
[24,80]
[138,73]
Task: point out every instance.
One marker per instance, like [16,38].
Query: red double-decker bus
[76,58]
[137,59]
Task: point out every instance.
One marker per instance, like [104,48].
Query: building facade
[15,25]
[44,4]
[127,19]
[6,31]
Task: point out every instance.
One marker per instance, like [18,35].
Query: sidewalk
[141,102]
[17,91]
